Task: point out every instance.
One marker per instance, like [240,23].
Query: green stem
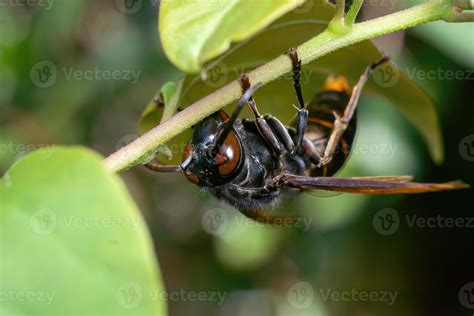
[144,148]
[340,10]
[353,12]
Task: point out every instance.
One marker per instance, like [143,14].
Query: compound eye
[229,155]
[187,152]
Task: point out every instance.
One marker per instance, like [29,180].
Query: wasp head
[213,155]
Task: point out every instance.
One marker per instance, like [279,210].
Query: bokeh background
[204,246]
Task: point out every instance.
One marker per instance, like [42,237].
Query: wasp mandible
[252,163]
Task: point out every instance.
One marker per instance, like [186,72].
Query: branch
[144,149]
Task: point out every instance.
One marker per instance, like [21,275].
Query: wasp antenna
[162,168]
[222,135]
[385,58]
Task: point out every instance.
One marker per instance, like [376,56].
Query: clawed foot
[324,161]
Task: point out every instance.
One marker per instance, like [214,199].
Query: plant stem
[143,149]
[353,12]
[340,11]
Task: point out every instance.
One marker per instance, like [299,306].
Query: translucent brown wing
[367,185]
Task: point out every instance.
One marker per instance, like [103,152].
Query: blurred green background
[260,271]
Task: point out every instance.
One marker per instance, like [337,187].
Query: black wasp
[250,164]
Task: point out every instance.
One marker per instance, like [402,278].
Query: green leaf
[163,106]
[277,97]
[193,32]
[73,241]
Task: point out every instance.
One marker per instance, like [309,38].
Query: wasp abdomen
[333,99]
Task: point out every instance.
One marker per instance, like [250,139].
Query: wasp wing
[322,193]
[386,178]
[367,185]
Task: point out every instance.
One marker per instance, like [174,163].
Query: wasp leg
[302,118]
[307,149]
[162,168]
[342,122]
[229,124]
[262,125]
[265,217]
[280,131]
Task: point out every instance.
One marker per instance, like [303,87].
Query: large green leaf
[193,32]
[72,240]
